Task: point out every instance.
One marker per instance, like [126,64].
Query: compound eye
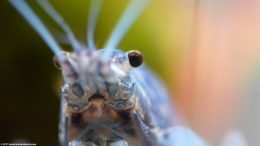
[135,58]
[56,62]
[77,90]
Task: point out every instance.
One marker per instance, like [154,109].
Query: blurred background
[206,52]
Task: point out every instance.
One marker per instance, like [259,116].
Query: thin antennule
[37,24]
[94,11]
[127,18]
[50,10]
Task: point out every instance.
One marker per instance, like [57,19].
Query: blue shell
[154,98]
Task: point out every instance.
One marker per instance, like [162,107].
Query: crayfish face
[87,76]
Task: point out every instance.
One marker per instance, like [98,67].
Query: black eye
[56,62]
[135,58]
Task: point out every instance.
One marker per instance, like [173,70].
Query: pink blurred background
[216,73]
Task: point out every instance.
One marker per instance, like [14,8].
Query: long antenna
[37,24]
[50,10]
[94,11]
[127,18]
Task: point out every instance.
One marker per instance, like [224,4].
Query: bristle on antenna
[94,11]
[37,24]
[50,10]
[127,18]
